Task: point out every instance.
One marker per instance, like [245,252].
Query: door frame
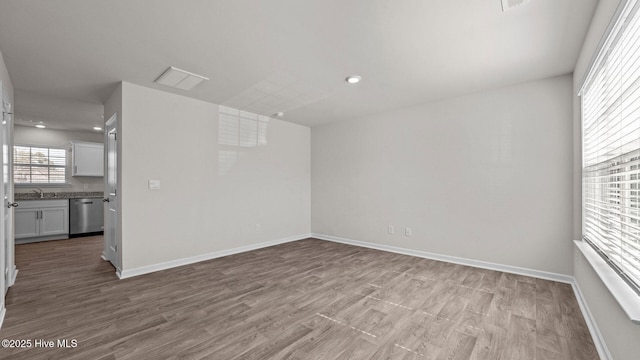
[7,243]
[109,254]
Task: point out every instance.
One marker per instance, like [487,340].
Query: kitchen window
[39,165]
[611,148]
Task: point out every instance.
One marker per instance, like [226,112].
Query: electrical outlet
[407,231]
[390,230]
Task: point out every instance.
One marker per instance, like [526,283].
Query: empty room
[287,179]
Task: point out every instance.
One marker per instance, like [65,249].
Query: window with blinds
[39,165]
[611,148]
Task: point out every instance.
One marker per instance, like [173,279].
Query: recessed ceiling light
[40,126]
[97,128]
[353,79]
[278,114]
[179,78]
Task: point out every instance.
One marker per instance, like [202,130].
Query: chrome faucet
[39,192]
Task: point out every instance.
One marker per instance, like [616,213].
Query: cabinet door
[26,223]
[88,159]
[54,221]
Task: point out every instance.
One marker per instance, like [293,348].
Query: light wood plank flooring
[308,299]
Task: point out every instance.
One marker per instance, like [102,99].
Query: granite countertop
[58,195]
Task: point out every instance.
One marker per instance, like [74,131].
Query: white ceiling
[65,57]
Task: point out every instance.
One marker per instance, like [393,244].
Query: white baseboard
[452,259]
[596,335]
[118,271]
[3,311]
[127,273]
[14,275]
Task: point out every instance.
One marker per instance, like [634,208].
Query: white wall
[485,176]
[620,334]
[174,139]
[27,135]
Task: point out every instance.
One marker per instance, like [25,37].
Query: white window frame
[610,266]
[47,184]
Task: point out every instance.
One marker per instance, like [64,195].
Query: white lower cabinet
[26,222]
[41,220]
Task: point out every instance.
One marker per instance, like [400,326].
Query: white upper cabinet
[87,159]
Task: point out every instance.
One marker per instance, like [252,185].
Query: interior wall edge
[127,273]
[596,335]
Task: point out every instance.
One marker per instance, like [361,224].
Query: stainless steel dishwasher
[86,216]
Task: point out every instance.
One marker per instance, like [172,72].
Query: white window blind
[611,148]
[39,165]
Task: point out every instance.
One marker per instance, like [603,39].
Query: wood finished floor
[309,299]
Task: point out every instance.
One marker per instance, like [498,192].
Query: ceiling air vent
[179,78]
[511,4]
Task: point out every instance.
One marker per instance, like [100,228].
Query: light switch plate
[154,184]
